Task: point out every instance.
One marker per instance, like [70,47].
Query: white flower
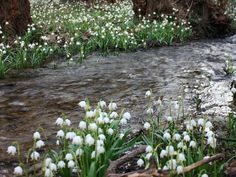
[126,115]
[82,125]
[48,161]
[102,104]
[233,90]
[122,135]
[82,104]
[61,164]
[89,140]
[110,131]
[34,155]
[100,142]
[192,144]
[79,152]
[67,122]
[90,114]
[102,137]
[208,125]
[165,168]
[11,150]
[18,171]
[100,150]
[48,173]
[146,126]
[59,121]
[180,145]
[186,138]
[69,157]
[112,106]
[60,134]
[53,167]
[167,136]
[212,142]
[70,135]
[93,154]
[201,122]
[177,137]
[189,127]
[193,123]
[149,149]
[123,121]
[93,127]
[185,133]
[209,133]
[181,157]
[75,170]
[204,175]
[36,135]
[148,94]
[179,169]
[207,129]
[114,115]
[77,140]
[169,118]
[100,130]
[163,153]
[58,142]
[148,156]
[140,162]
[170,150]
[172,164]
[40,144]
[106,120]
[150,111]
[100,120]
[71,164]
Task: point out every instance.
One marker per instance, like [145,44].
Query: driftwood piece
[114,164]
[152,171]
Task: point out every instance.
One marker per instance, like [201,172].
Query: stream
[34,98]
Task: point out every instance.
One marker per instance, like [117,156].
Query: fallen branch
[114,164]
[202,162]
[152,171]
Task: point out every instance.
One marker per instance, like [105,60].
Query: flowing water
[33,98]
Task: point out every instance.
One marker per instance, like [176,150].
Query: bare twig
[202,162]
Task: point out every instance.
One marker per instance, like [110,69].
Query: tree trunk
[150,8]
[15,16]
[207,17]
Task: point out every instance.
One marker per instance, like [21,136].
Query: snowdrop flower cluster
[179,145]
[33,153]
[95,140]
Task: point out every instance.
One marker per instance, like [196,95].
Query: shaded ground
[34,98]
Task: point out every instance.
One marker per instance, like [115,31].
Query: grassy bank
[70,29]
